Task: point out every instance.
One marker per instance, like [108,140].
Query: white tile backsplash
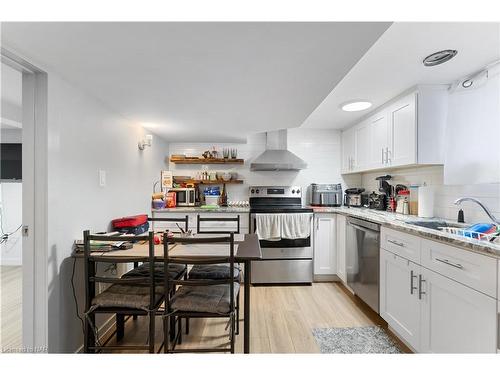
[445,195]
[318,147]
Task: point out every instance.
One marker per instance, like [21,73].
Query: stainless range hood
[277,157]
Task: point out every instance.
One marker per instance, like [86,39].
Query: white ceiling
[200,81]
[394,64]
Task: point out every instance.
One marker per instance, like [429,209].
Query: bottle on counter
[223,197]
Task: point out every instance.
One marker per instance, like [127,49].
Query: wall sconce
[145,142]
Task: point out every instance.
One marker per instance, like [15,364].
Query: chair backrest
[200,219]
[184,220]
[91,279]
[216,259]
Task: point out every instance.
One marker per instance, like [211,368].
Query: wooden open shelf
[206,161]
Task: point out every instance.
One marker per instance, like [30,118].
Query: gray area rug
[354,340]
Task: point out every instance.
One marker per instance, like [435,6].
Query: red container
[129,221]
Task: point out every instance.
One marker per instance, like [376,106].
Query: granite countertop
[199,209]
[399,222]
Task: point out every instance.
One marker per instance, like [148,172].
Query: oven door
[300,248]
[284,243]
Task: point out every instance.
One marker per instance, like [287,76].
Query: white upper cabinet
[406,131]
[403,132]
[473,131]
[348,149]
[379,140]
[362,136]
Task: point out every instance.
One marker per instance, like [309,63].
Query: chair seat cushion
[127,296]
[206,298]
[213,271]
[174,271]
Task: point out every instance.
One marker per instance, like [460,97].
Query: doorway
[23,149]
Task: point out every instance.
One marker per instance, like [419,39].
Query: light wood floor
[11,308]
[282,320]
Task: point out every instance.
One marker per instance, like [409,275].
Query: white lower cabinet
[325,244]
[341,248]
[399,304]
[455,318]
[434,313]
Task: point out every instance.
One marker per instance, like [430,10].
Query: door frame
[35,215]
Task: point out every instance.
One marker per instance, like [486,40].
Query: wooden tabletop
[247,247]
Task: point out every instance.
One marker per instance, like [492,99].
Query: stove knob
[252,191]
[258,191]
[298,191]
[293,191]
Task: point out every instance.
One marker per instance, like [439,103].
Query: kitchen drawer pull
[412,288]
[396,243]
[420,281]
[446,261]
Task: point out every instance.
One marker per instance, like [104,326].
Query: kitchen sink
[435,224]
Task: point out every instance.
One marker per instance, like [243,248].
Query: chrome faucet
[488,212]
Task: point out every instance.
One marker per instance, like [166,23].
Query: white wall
[11,136]
[319,148]
[85,136]
[11,199]
[445,195]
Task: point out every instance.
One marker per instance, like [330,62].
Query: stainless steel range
[284,260]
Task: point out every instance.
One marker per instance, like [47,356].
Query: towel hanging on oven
[296,225]
[268,226]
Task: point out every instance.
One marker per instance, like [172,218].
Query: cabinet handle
[412,276]
[383,162]
[446,261]
[421,280]
[387,153]
[396,243]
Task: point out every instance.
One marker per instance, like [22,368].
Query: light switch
[102,178]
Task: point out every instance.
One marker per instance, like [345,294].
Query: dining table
[247,249]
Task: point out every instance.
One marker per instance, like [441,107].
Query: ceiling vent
[440,57]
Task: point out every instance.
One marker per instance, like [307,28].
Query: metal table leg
[246,309]
[120,326]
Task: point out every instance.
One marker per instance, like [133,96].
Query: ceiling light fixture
[440,57]
[356,105]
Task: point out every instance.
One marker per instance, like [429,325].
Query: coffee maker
[380,201]
[355,197]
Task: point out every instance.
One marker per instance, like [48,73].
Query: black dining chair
[200,298]
[135,295]
[217,271]
[175,270]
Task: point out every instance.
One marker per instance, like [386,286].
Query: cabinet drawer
[400,243]
[477,271]
[223,225]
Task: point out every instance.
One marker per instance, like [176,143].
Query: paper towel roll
[426,201]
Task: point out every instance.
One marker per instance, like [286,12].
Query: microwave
[184,196]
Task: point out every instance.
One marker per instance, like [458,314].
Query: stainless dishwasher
[362,260]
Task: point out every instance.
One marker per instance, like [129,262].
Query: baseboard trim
[325,278]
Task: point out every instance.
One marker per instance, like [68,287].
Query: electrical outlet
[102,178]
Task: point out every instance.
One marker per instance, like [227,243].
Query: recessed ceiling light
[440,57]
[357,105]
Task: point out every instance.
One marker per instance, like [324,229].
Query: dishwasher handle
[363,225]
